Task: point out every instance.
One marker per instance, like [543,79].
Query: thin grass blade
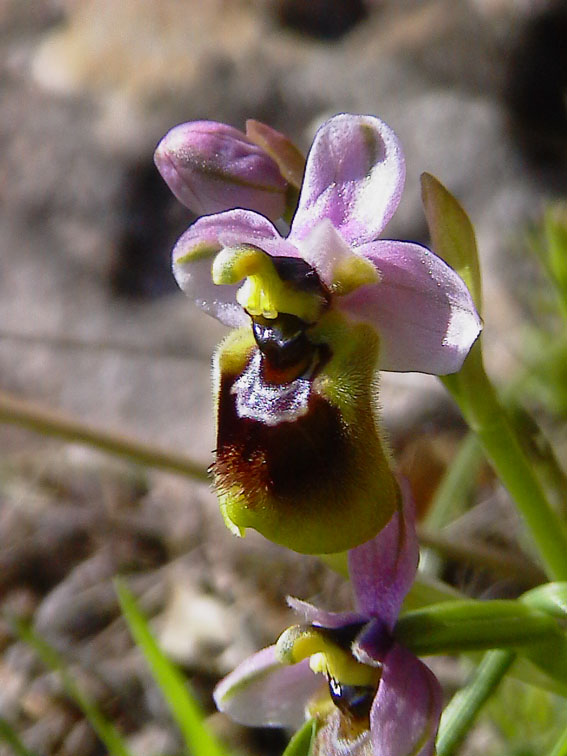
[183,706]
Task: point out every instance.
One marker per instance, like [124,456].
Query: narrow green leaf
[560,748]
[10,736]
[183,706]
[105,730]
[482,409]
[451,494]
[550,598]
[301,743]
[555,234]
[452,233]
[461,712]
[468,625]
[550,656]
[427,590]
[528,672]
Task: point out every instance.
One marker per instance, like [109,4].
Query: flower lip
[298,457]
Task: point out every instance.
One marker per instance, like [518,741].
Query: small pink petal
[405,714]
[382,570]
[322,618]
[261,692]
[373,643]
[324,248]
[195,251]
[421,308]
[354,177]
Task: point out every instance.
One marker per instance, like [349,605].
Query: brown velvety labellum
[301,461]
[287,461]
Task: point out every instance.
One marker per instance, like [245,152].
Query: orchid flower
[299,455]
[368,694]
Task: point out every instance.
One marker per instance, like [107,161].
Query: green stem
[456,482]
[51,423]
[484,557]
[470,625]
[560,748]
[450,495]
[10,736]
[477,399]
[60,341]
[462,710]
[106,731]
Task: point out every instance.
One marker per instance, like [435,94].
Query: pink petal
[354,176]
[261,692]
[405,714]
[422,309]
[322,618]
[382,570]
[194,253]
[373,643]
[324,249]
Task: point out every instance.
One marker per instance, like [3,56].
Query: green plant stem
[301,743]
[477,399]
[182,704]
[484,557]
[450,496]
[9,735]
[560,748]
[108,734]
[462,710]
[61,341]
[456,482]
[471,625]
[52,423]
[550,598]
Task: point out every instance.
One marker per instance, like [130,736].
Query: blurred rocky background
[91,322]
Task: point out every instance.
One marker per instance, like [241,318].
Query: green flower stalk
[453,238]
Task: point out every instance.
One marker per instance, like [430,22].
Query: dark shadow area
[322,19]
[150,221]
[536,93]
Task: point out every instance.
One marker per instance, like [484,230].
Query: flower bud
[211,167]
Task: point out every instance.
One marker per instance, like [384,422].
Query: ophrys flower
[299,455]
[369,695]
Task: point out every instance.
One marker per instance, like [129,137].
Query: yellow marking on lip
[352,272]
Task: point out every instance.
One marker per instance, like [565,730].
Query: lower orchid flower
[368,695]
[300,456]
